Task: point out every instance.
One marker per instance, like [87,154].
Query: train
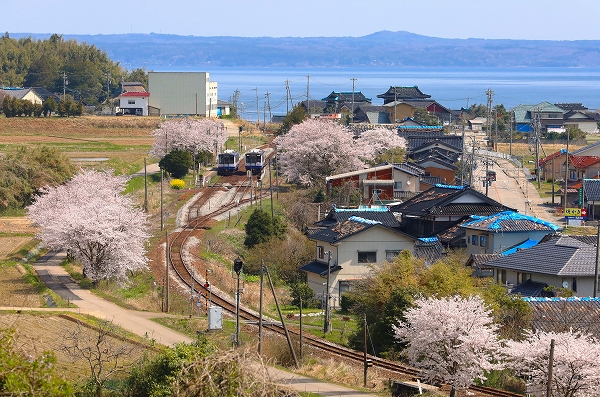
[228,162]
[255,161]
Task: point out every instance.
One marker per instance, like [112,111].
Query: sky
[488,19]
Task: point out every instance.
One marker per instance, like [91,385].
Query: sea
[275,90]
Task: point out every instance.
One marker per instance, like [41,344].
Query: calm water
[452,87]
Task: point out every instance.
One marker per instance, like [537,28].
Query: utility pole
[108,81]
[287,96]
[65,83]
[353,80]
[308,95]
[267,95]
[257,108]
[166,271]
[536,129]
[511,133]
[550,368]
[486,180]
[566,178]
[395,105]
[597,262]
[490,99]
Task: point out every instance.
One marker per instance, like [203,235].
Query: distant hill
[383,48]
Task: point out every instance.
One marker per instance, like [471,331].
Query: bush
[177,184]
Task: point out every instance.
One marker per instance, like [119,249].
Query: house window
[468,239]
[574,285]
[391,255]
[482,241]
[131,101]
[320,252]
[475,240]
[377,192]
[398,185]
[367,256]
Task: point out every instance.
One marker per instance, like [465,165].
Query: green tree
[296,116]
[138,75]
[260,228]
[424,117]
[392,156]
[177,163]
[303,291]
[49,106]
[156,377]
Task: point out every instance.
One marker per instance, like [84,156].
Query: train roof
[255,150]
[229,151]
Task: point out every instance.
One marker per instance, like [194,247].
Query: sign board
[572,212]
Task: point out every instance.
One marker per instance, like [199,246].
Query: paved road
[49,269]
[513,190]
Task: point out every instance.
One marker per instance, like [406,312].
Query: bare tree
[103,349]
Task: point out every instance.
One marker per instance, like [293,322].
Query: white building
[134,103]
[182,93]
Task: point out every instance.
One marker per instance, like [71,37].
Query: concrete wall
[182,93]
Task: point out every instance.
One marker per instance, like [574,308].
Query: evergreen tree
[260,228]
[177,163]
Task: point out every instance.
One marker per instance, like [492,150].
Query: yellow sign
[572,211]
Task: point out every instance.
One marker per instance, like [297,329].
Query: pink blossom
[452,339]
[190,135]
[90,218]
[575,363]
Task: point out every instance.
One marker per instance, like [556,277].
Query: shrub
[177,184]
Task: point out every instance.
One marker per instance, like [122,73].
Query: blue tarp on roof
[556,299]
[509,215]
[457,187]
[525,244]
[363,208]
[363,220]
[428,239]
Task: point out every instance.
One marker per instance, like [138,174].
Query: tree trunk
[453,392]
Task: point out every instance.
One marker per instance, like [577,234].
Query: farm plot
[39,333]
[14,290]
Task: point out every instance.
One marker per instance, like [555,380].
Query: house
[335,101]
[134,103]
[436,164]
[592,149]
[385,182]
[348,242]
[28,94]
[591,197]
[585,121]
[370,114]
[394,94]
[499,232]
[553,166]
[477,123]
[182,93]
[441,207]
[549,115]
[568,262]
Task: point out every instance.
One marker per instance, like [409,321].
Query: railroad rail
[187,276]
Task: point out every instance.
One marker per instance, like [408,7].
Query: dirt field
[47,331]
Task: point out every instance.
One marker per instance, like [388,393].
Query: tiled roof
[590,146]
[424,131]
[440,198]
[523,113]
[480,260]
[564,256]
[431,180]
[346,97]
[583,161]
[135,94]
[529,288]
[552,156]
[570,106]
[338,215]
[509,221]
[404,93]
[591,189]
[319,268]
[430,250]
[452,235]
[410,168]
[468,209]
[586,239]
[562,315]
[451,142]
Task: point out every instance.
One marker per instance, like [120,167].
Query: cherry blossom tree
[315,149]
[379,140]
[190,135]
[575,362]
[90,218]
[451,339]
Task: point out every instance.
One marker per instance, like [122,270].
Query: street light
[237,268]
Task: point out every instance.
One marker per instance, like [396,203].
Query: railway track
[239,194]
